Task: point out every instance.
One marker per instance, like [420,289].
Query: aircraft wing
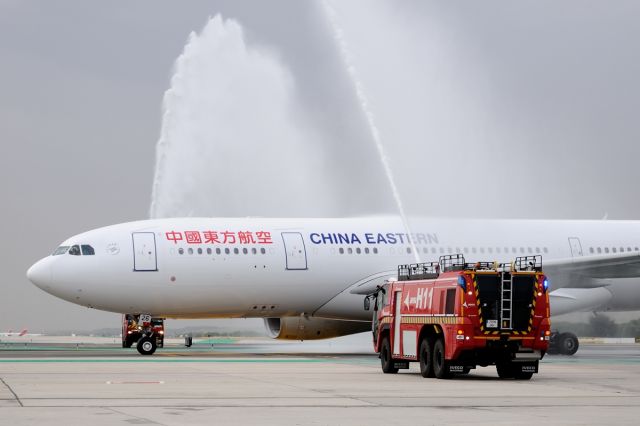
[591,271]
[572,272]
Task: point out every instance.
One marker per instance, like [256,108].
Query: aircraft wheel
[568,343]
[385,357]
[426,357]
[440,365]
[146,345]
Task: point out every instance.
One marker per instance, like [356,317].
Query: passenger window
[218,251]
[590,249]
[262,250]
[375,250]
[190,250]
[236,251]
[366,250]
[350,250]
[358,251]
[226,250]
[181,250]
[244,250]
[341,250]
[545,250]
[74,251]
[606,249]
[199,250]
[409,250]
[254,251]
[599,250]
[209,251]
[613,249]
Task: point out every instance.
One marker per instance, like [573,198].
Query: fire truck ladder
[505,306]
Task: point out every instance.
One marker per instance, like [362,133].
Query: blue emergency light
[462,282]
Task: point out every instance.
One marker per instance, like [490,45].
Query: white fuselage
[184,268]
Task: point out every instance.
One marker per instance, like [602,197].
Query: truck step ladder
[505,305]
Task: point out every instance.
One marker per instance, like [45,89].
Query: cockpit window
[74,251]
[60,250]
[87,250]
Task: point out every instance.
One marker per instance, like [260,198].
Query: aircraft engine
[305,328]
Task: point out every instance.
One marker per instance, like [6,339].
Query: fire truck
[452,316]
[145,331]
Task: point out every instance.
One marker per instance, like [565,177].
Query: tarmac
[231,381]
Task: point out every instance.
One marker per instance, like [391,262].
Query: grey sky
[540,92]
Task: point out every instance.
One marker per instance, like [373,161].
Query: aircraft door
[296,254]
[144,251]
[576,247]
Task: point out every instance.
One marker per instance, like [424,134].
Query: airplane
[22,333]
[306,277]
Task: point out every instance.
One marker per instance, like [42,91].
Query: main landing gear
[563,343]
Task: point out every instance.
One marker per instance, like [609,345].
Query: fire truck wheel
[385,358]
[146,346]
[426,357]
[440,365]
[568,343]
[505,369]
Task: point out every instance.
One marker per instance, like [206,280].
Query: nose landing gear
[143,330]
[146,345]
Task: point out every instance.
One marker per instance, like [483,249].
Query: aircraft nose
[40,274]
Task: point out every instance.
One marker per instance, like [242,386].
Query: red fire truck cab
[451,316]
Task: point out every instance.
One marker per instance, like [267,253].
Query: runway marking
[12,392]
[135,383]
[160,360]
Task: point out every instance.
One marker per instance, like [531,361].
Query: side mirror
[367,303]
